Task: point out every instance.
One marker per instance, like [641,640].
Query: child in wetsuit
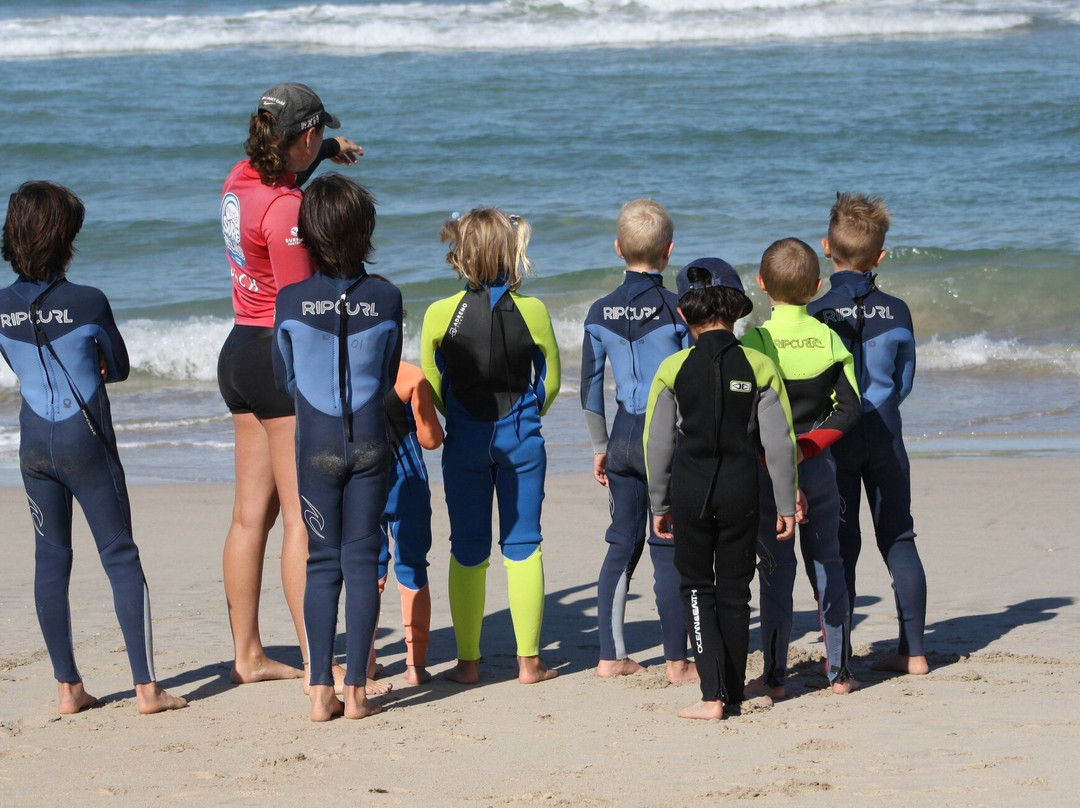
[876,328]
[491,357]
[713,410]
[413,425]
[337,344]
[63,344]
[819,375]
[636,327]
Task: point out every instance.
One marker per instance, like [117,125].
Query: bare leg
[757,687]
[681,670]
[254,510]
[357,703]
[466,672]
[618,667]
[325,704]
[531,670]
[912,665]
[73,698]
[704,710]
[152,699]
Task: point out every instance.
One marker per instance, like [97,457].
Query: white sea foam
[513,25]
[982,351]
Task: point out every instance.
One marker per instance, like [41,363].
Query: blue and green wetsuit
[819,375]
[877,329]
[337,344]
[635,327]
[493,363]
[713,410]
[68,449]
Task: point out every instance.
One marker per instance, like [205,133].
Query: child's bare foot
[911,665]
[74,698]
[262,669]
[531,670]
[152,699]
[416,675]
[704,710]
[336,671]
[681,670]
[757,687]
[325,704]
[357,703]
[374,688]
[618,667]
[374,669]
[848,685]
[466,672]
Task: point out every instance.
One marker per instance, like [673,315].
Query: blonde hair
[487,244]
[791,270]
[644,231]
[857,227]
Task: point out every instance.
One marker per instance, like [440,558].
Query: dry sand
[995,723]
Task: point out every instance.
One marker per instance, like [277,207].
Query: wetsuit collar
[789,313]
[339,285]
[496,289]
[852,284]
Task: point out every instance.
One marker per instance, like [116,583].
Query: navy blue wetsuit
[635,327]
[61,456]
[342,449]
[877,329]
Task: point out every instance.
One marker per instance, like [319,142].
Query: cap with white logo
[296,108]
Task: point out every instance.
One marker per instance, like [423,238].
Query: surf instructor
[260,206]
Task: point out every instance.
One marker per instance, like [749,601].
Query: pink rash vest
[265,253]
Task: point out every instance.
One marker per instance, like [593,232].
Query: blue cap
[721,273]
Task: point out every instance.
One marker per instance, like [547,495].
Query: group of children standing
[718,441]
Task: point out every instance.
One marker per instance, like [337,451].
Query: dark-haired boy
[712,410]
[819,375]
[876,328]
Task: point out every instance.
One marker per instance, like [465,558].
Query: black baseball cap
[296,108]
[720,273]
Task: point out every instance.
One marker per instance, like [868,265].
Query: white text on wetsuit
[16,317]
[839,315]
[628,312]
[352,309]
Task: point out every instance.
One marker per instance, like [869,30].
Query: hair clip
[514,219]
[456,214]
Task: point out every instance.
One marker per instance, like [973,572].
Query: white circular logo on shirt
[230,228]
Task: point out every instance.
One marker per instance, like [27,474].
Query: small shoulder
[669,368]
[529,306]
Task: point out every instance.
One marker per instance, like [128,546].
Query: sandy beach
[995,723]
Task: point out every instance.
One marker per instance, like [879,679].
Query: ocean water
[744,117]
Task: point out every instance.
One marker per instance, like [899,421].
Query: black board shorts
[246,374]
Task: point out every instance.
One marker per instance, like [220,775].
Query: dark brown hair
[267,148]
[702,307]
[42,221]
[791,270]
[337,218]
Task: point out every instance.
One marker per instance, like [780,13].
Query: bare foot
[325,704]
[911,665]
[849,685]
[681,670]
[374,669]
[757,687]
[336,671]
[74,698]
[466,672]
[262,669]
[374,688]
[618,667]
[416,675]
[531,670]
[152,699]
[704,710]
[357,703]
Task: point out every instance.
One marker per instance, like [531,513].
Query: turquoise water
[743,118]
